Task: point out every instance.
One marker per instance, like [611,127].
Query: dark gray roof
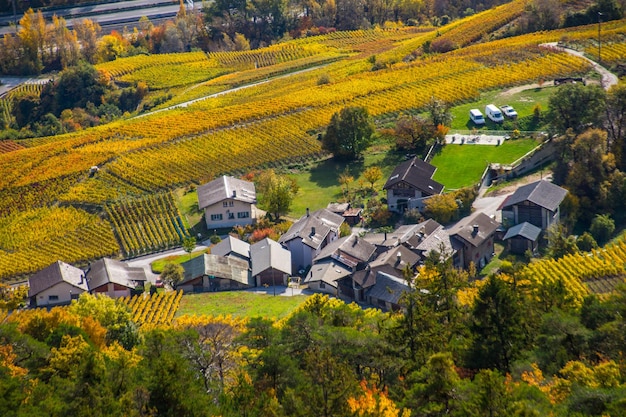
[313,228]
[475,229]
[107,270]
[327,271]
[526,230]
[439,241]
[388,288]
[543,193]
[367,277]
[223,188]
[416,173]
[231,245]
[54,274]
[407,233]
[338,208]
[217,266]
[353,248]
[267,254]
[398,258]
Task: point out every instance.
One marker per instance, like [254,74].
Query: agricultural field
[156,309]
[273,123]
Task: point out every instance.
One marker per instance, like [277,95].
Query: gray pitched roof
[338,208]
[327,271]
[232,245]
[54,274]
[475,229]
[526,230]
[367,277]
[107,270]
[223,188]
[388,288]
[313,228]
[543,193]
[267,254]
[416,173]
[407,233]
[439,241]
[217,266]
[351,248]
[398,258]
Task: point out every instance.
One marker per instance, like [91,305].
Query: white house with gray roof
[309,235]
[231,246]
[58,283]
[228,202]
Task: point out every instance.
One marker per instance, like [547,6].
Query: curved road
[608,78]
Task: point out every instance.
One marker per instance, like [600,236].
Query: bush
[602,228]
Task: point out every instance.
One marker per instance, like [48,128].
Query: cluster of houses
[367,268]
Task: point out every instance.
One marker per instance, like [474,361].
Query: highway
[109,14]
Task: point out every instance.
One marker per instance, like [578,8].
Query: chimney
[398,256]
[307,212]
[475,229]
[312,230]
[234,193]
[385,235]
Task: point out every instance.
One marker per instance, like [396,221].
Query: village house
[270,263]
[337,260]
[309,235]
[522,237]
[211,272]
[231,246]
[114,278]
[409,184]
[537,203]
[474,237]
[59,283]
[228,202]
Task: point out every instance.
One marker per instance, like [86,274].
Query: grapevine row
[155,309]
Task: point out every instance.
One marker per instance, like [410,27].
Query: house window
[231,203]
[53,298]
[243,214]
[225,204]
[215,217]
[231,216]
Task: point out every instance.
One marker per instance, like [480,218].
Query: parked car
[477,117]
[509,111]
[494,113]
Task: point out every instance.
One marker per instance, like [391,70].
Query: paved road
[113,14]
[608,78]
[145,261]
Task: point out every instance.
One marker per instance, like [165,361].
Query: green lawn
[523,102]
[188,206]
[462,165]
[319,185]
[157,266]
[239,304]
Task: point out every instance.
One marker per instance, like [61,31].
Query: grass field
[462,165]
[158,265]
[239,304]
[524,102]
[319,184]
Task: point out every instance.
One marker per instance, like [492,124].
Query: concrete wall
[62,290]
[226,212]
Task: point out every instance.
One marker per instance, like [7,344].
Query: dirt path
[514,185]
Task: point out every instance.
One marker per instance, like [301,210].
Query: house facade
[473,240]
[211,272]
[57,284]
[410,184]
[522,237]
[114,278]
[537,203]
[228,202]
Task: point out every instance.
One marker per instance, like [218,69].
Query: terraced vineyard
[147,224]
[597,271]
[157,309]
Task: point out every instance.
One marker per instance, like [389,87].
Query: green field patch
[461,166]
[158,265]
[239,304]
[523,102]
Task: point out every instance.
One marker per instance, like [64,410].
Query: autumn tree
[173,274]
[414,133]
[189,244]
[441,207]
[576,106]
[349,133]
[88,32]
[277,192]
[372,174]
[616,123]
[345,180]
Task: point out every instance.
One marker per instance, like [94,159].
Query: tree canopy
[349,133]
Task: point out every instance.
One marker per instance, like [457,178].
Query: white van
[477,117]
[494,113]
